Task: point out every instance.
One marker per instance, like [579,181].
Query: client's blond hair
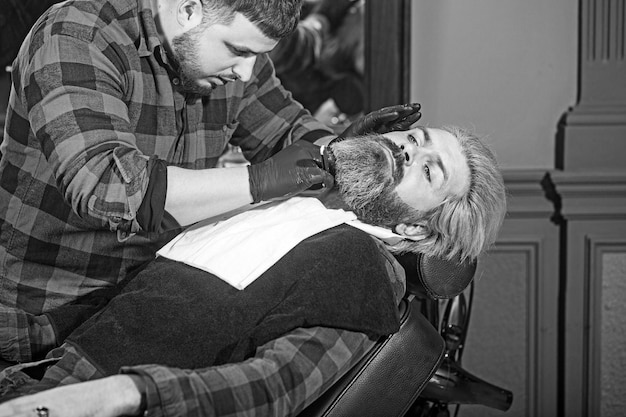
[464,227]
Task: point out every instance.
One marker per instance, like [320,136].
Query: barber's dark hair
[275,18]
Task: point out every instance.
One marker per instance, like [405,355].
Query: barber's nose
[243,68]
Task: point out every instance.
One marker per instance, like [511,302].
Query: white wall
[503,68]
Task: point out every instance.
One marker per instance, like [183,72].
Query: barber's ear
[412,231]
[189,13]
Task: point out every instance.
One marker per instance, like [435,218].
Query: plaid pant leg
[71,368]
[24,336]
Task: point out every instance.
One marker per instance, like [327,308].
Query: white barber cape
[241,248]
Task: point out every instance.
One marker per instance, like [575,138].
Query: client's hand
[109,397]
[387,119]
[290,172]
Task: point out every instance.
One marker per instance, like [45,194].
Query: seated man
[439,190]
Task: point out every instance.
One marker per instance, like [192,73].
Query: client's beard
[364,180]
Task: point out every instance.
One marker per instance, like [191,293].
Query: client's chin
[365,181]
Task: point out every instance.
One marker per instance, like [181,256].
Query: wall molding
[591,195]
[592,134]
[529,193]
[530,247]
[602,51]
[596,247]
[531,229]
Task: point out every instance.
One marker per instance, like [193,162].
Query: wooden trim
[596,247]
[592,133]
[602,52]
[587,241]
[591,195]
[532,227]
[529,194]
[387,53]
[539,238]
[530,247]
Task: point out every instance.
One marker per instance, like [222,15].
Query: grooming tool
[328,160]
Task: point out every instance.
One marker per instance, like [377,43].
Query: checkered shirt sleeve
[284,376]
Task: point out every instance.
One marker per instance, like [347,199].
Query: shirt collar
[386,235]
[149,41]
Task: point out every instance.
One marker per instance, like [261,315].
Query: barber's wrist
[255,182]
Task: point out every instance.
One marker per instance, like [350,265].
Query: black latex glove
[333,10]
[387,119]
[291,171]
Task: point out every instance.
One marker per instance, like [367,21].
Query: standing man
[119,110]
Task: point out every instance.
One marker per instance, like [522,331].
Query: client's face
[387,180]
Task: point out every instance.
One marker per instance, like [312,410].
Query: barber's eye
[427,172]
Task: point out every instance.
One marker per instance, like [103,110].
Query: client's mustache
[398,159]
[365,150]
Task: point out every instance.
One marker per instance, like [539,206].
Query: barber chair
[417,371]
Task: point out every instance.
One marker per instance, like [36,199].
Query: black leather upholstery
[380,386]
[439,278]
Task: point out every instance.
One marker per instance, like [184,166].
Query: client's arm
[109,397]
[284,376]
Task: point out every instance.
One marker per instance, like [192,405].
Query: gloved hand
[333,10]
[387,119]
[290,172]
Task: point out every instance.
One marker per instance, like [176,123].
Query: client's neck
[332,200]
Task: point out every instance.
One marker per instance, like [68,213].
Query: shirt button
[176,81]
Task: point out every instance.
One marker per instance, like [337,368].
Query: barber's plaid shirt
[92,100]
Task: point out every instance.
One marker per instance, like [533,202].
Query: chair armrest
[389,378]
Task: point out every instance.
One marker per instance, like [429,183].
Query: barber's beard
[186,58]
[365,182]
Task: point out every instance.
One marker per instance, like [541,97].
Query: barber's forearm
[195,195]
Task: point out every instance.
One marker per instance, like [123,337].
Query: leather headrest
[439,277]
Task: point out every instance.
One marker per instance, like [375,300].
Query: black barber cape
[177,315]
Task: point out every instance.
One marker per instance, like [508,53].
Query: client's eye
[427,172]
[413,140]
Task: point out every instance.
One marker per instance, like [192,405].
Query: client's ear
[412,231]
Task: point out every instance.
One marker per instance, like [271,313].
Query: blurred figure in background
[322,63]
[16,18]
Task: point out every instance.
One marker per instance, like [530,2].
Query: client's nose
[411,152]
